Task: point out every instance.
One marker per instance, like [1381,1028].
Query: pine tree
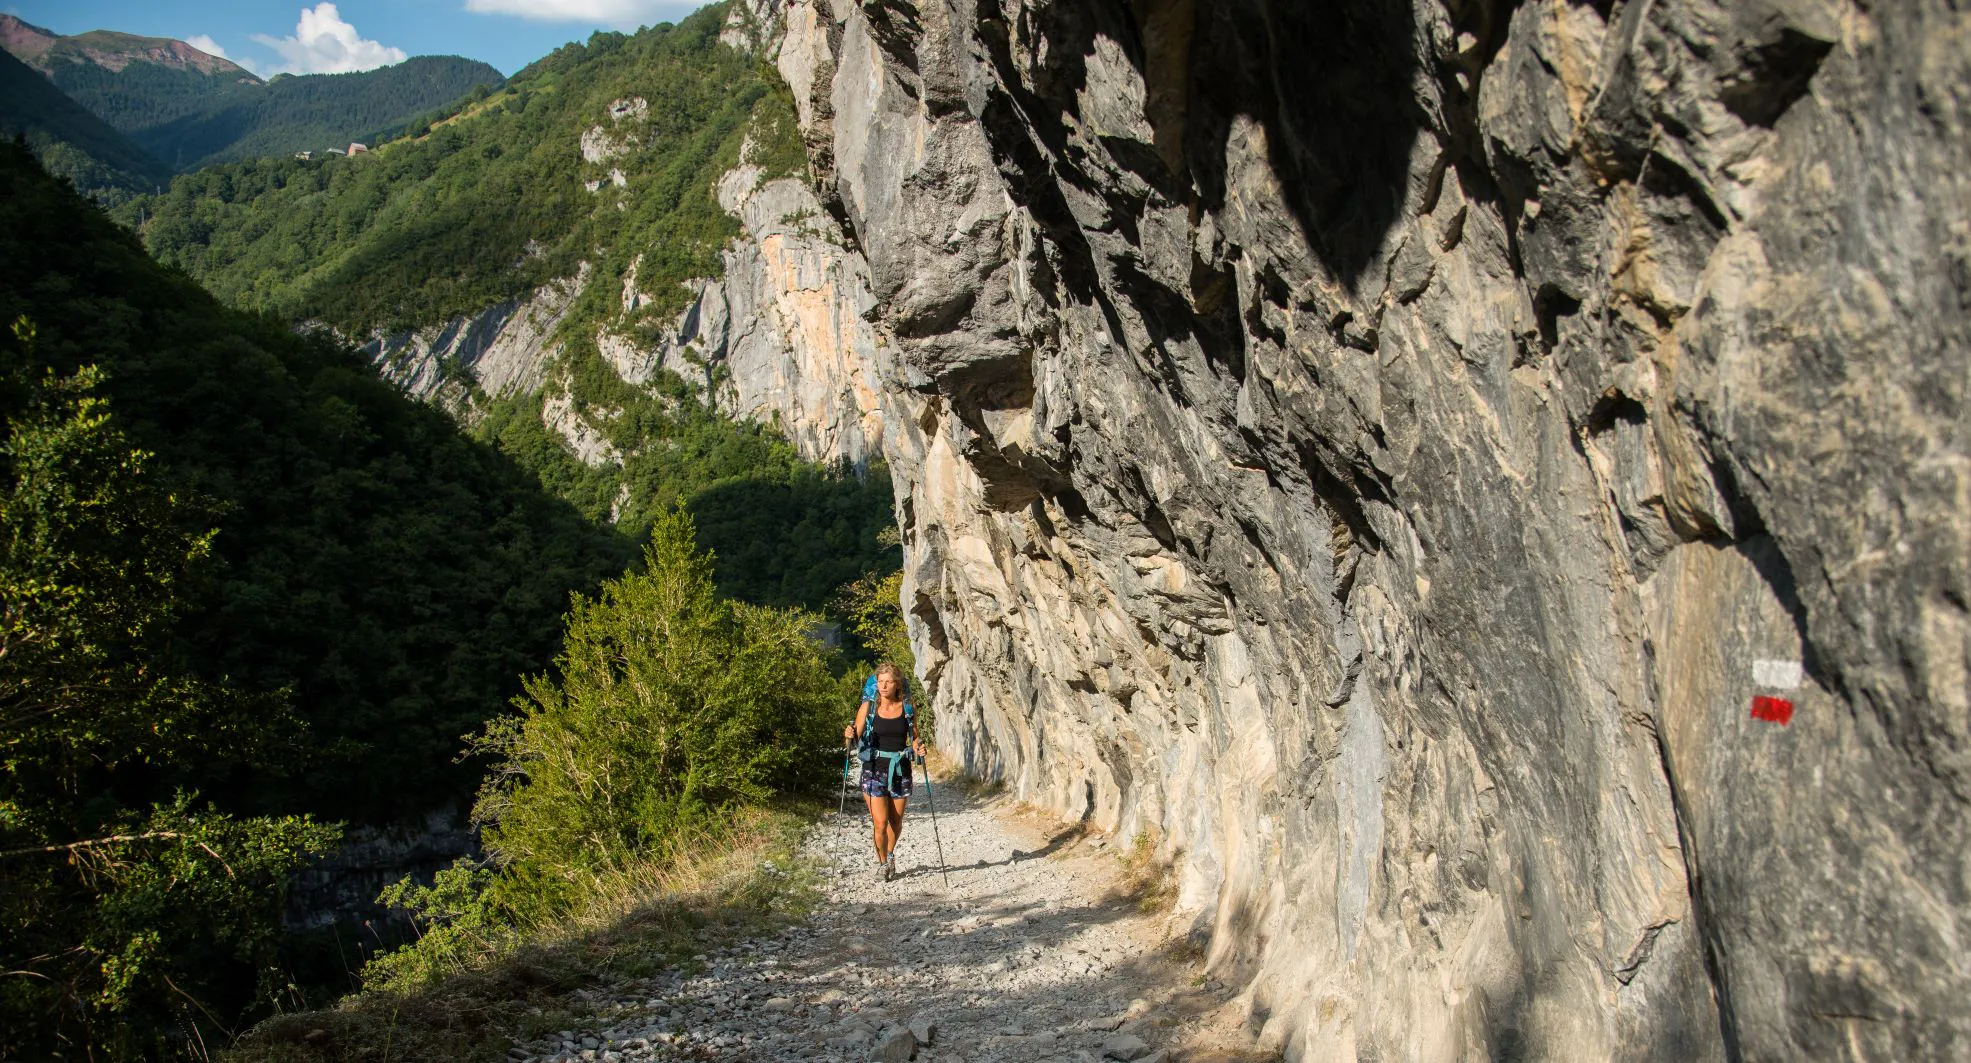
[671,705]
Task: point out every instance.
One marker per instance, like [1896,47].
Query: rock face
[502,349]
[342,888]
[781,336]
[800,350]
[1482,484]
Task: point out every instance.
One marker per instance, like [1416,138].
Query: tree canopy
[101,162]
[390,573]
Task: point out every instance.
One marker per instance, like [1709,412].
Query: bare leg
[879,819]
[894,821]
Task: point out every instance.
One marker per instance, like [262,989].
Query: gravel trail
[1028,955]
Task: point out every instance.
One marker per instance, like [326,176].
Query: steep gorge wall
[1381,449]
[781,335]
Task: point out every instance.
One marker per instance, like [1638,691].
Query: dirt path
[1029,954]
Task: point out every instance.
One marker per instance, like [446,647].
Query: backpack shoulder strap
[869,721]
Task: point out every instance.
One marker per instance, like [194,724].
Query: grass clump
[1148,881]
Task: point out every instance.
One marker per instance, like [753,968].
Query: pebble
[898,1047]
[1003,966]
[1126,1046]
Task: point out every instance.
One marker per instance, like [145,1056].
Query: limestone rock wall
[781,337]
[1381,449]
[502,349]
[801,350]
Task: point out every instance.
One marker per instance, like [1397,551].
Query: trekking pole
[931,795]
[842,784]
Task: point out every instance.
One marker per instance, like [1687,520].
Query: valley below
[1443,523]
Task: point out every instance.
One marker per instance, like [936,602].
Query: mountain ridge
[70,141]
[190,109]
[111,49]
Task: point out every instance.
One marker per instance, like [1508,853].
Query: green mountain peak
[190,109]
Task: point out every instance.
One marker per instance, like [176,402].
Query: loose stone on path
[1017,961]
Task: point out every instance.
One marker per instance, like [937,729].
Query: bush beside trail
[673,718]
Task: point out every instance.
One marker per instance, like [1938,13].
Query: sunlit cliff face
[1382,451]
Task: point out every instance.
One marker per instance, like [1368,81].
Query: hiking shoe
[889,869]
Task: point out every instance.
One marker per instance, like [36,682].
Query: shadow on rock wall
[1332,86]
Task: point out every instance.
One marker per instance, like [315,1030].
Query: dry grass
[643,921]
[950,773]
[1188,950]
[1147,881]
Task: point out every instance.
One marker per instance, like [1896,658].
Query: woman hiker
[888,726]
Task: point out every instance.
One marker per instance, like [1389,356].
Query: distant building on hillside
[336,151]
[304,156]
[357,149]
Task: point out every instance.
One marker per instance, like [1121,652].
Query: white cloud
[624,13]
[324,44]
[206,44]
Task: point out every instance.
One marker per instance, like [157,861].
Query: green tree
[391,574]
[670,705]
[82,519]
[871,609]
[117,923]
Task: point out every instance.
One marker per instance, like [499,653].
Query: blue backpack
[867,752]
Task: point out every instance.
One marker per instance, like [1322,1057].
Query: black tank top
[890,734]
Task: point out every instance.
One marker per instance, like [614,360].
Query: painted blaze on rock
[1367,446]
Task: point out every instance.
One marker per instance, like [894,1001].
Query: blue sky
[268,36]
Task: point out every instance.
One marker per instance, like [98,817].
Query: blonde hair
[903,683]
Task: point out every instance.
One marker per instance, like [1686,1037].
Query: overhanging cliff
[1381,450]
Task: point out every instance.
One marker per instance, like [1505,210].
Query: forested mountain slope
[489,201]
[397,577]
[297,605]
[70,141]
[309,112]
[337,586]
[547,263]
[378,582]
[189,109]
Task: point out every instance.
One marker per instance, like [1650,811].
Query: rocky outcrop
[342,887]
[781,336]
[500,350]
[800,349]
[1481,484]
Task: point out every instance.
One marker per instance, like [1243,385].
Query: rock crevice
[1381,451]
